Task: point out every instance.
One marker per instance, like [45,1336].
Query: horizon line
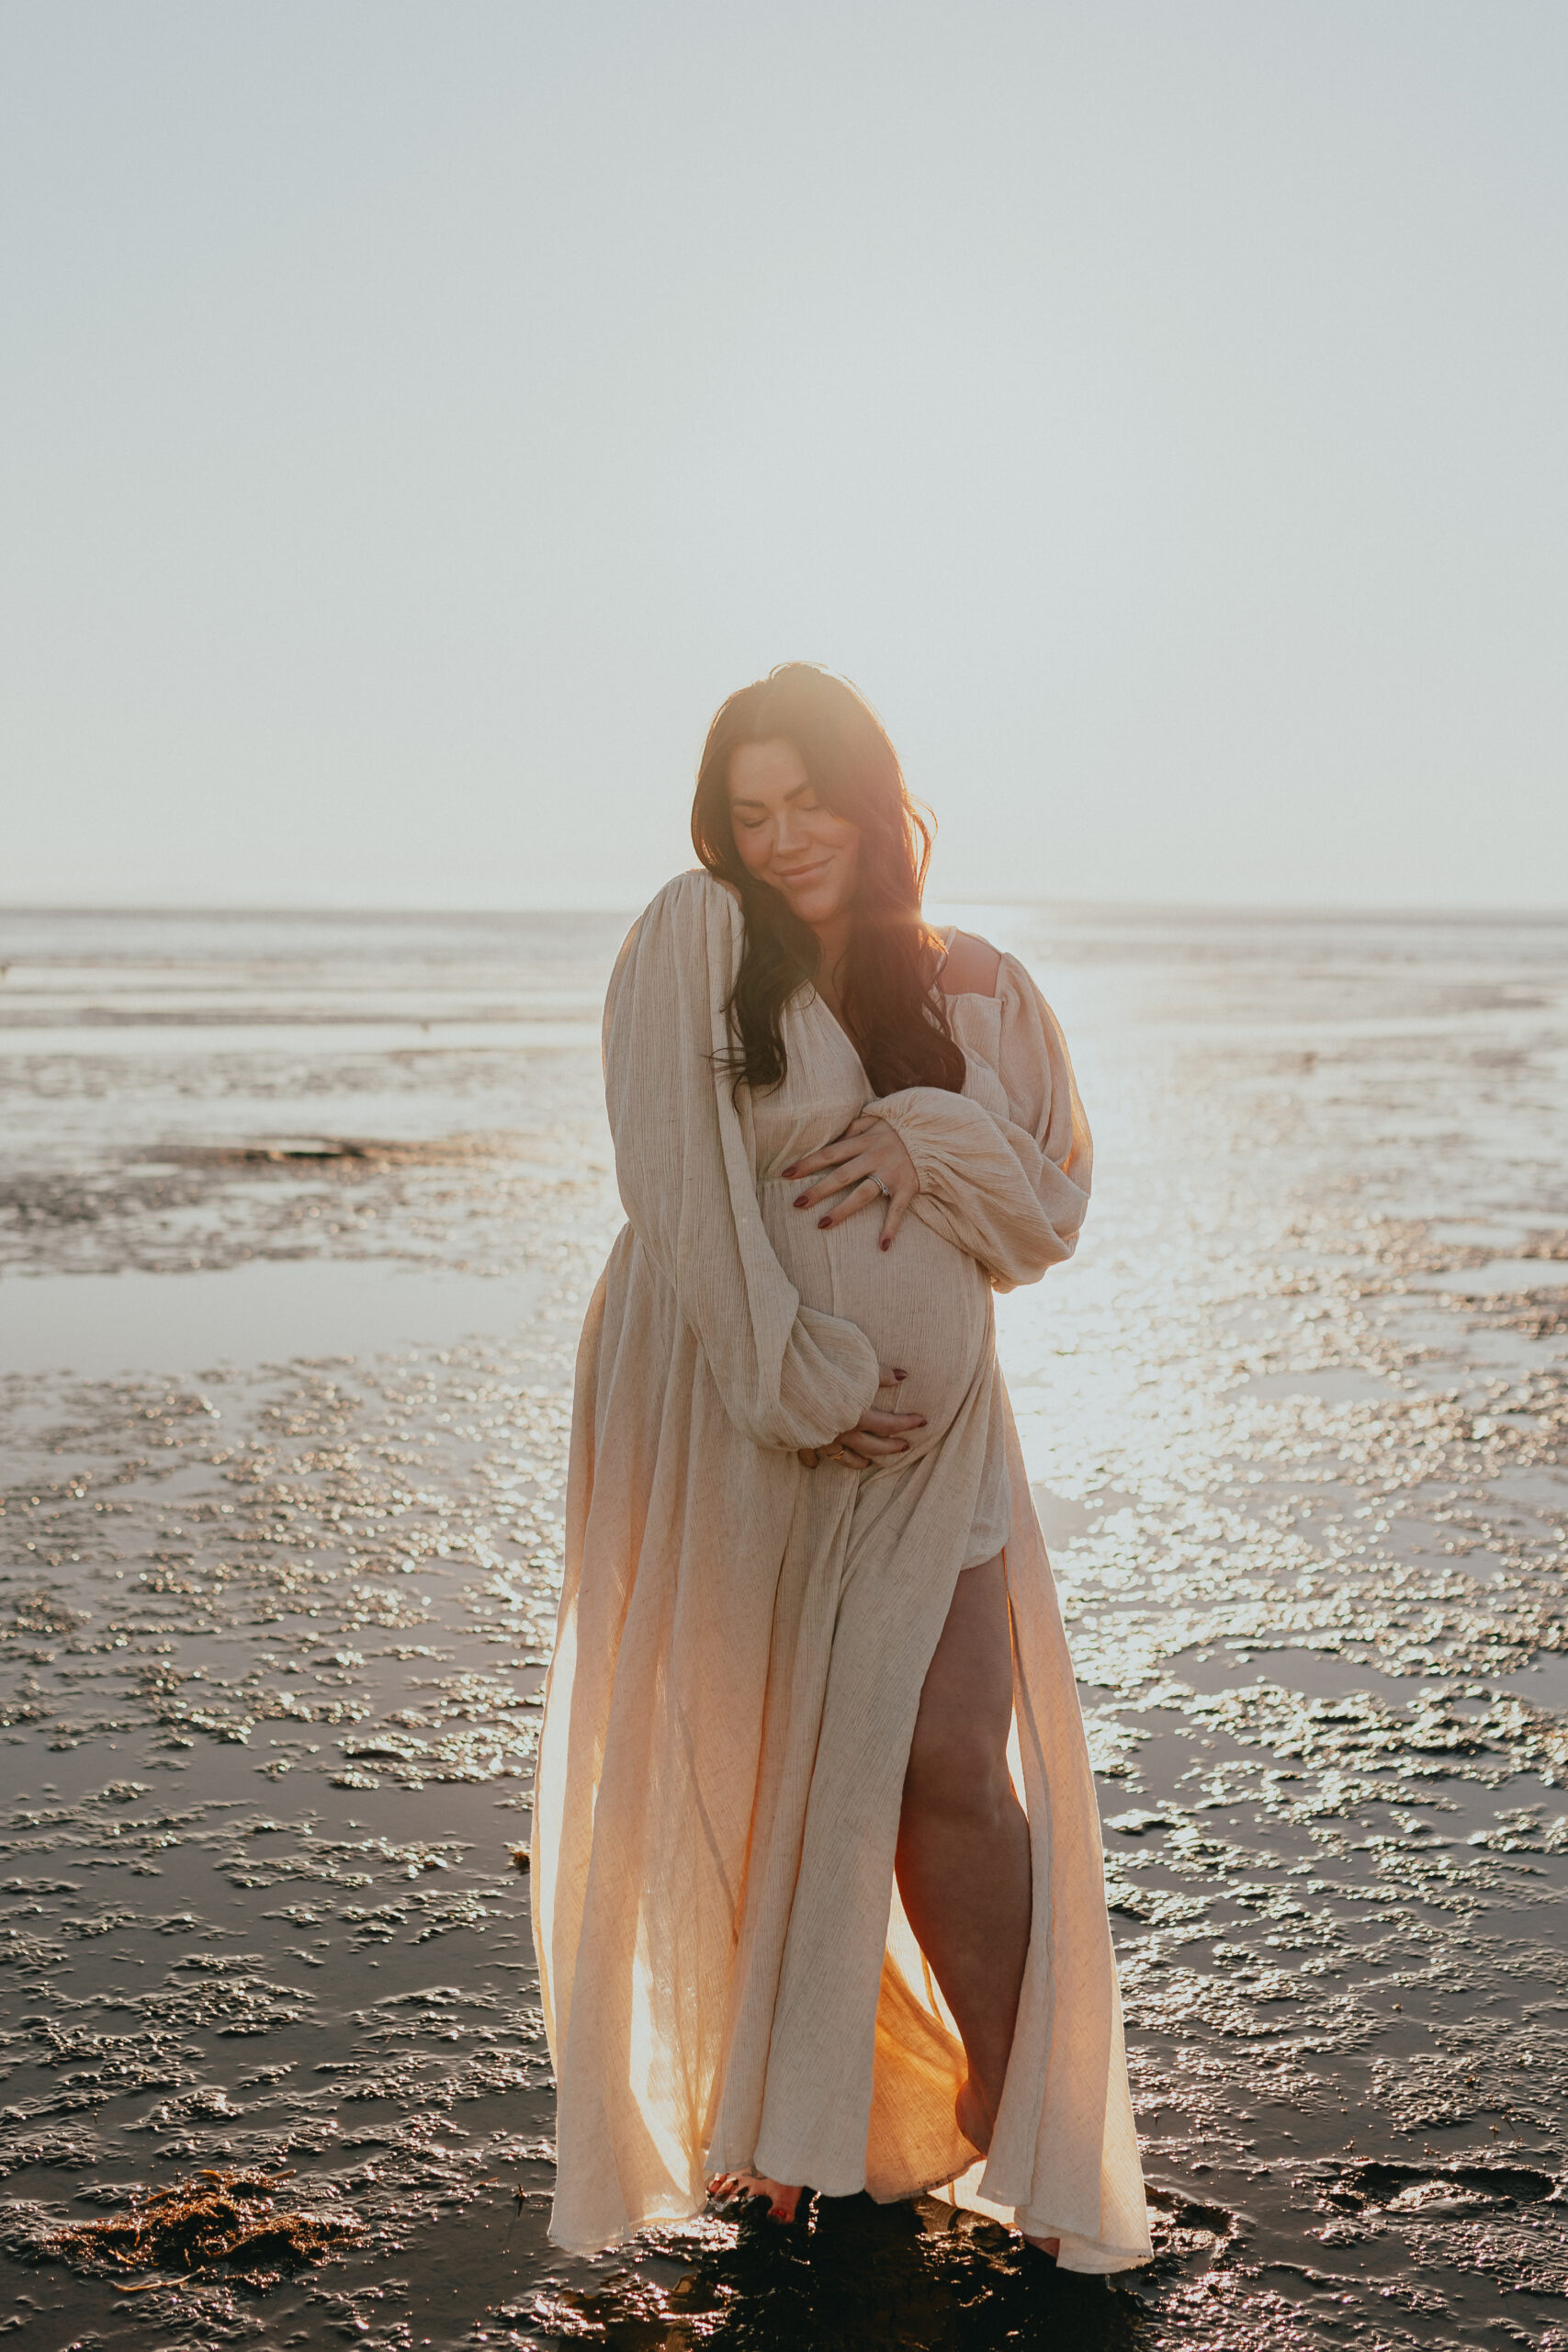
[1316,910]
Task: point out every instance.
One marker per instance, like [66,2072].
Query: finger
[826,1155]
[839,1191]
[827,1188]
[891,1379]
[807,1456]
[897,1205]
[864,1193]
[846,1172]
[889,1424]
[876,1438]
[864,1442]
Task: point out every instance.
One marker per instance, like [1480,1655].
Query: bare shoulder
[972,968]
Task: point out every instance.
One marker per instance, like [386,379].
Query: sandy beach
[297,1222]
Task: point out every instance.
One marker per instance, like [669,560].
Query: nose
[792,836]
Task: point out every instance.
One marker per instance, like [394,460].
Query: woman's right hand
[876,1437]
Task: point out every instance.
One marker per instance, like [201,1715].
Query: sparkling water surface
[298,1221]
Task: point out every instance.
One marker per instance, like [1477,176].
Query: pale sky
[419,413]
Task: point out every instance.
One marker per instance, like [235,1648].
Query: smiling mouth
[806,873]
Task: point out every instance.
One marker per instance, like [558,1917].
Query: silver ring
[880,1185]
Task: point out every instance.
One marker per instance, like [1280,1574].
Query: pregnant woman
[816,1865]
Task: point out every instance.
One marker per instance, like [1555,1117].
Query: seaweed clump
[229,2218]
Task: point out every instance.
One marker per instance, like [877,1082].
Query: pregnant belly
[924,1304]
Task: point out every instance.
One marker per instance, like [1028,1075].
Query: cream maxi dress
[729,1978]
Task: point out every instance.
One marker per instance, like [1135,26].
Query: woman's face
[786,838]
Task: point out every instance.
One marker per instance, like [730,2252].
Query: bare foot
[739,2187]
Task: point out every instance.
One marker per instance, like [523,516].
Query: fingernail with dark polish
[886,1242]
[803,1202]
[899,1374]
[823,1222]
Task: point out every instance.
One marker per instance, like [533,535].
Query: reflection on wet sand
[278,1590]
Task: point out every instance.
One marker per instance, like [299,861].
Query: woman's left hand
[868,1163]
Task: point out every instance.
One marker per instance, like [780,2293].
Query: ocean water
[297,1220]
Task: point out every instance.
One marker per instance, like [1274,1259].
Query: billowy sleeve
[789,1376]
[1004,1166]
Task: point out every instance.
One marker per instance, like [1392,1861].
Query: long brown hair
[892,1007]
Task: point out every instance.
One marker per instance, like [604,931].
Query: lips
[805,873]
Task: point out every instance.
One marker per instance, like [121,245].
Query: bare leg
[964,1859]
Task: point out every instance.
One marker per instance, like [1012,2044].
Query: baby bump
[924,1304]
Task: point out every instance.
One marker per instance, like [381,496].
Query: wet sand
[298,1224]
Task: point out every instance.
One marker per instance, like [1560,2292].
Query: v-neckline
[830,1016]
[947,938]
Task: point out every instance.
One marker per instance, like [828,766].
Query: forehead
[769,772]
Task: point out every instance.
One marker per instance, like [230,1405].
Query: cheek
[830,831]
[836,833]
[753,849]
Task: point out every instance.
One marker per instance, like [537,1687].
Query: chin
[814,911]
[816,906]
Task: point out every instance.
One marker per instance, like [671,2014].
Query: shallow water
[285,1439]
[267,1311]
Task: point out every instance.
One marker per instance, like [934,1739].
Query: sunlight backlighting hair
[892,1007]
